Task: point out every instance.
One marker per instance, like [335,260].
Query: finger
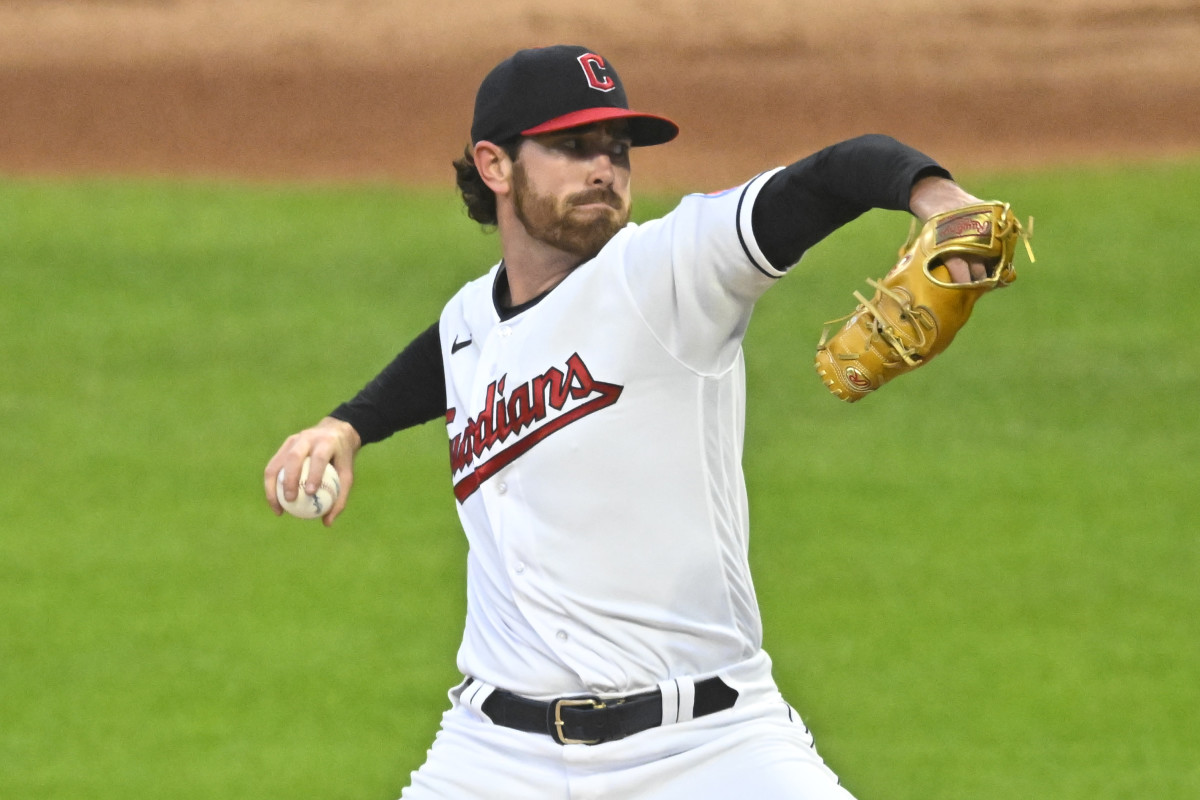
[960,272]
[289,461]
[321,452]
[345,481]
[979,271]
[271,481]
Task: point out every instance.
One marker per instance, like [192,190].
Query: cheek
[621,184]
[555,193]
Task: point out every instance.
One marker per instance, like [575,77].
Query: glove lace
[921,318]
[1024,232]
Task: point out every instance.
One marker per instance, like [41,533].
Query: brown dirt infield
[382,89]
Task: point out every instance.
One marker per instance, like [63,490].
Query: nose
[602,170]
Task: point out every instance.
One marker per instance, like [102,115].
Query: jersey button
[562,636]
[505,330]
[502,488]
[519,568]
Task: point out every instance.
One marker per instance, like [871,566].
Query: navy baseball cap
[547,89]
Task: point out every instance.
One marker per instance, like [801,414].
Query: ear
[495,167]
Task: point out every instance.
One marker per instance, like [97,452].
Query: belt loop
[687,697]
[474,694]
[670,702]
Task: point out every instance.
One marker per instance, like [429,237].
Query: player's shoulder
[473,297]
[728,202]
[699,218]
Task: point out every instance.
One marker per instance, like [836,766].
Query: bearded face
[580,223]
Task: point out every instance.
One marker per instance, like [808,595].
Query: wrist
[345,432]
[935,195]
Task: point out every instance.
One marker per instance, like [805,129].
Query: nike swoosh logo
[457,345]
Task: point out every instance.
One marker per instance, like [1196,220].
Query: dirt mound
[382,89]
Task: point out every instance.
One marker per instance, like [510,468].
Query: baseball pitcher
[592,386]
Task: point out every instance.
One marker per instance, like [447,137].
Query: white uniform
[596,447]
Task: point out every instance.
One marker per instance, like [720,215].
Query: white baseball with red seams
[311,506]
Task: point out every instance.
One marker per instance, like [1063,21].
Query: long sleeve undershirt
[799,206]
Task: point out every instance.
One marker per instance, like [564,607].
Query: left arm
[805,202]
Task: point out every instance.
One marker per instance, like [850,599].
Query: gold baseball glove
[917,309]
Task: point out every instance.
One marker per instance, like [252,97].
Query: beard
[562,224]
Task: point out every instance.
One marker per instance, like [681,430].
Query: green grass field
[983,582]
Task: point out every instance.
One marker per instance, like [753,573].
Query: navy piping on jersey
[742,236]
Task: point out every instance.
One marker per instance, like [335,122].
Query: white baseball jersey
[596,447]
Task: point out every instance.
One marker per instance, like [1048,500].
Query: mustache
[601,195]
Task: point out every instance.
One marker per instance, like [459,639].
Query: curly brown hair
[479,199]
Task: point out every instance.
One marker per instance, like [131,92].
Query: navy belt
[594,720]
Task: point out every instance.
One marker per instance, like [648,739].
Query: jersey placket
[502,495]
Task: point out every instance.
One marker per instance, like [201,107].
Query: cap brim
[644,129]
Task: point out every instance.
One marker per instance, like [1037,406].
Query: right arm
[409,391]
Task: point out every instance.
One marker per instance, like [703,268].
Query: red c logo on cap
[596,71]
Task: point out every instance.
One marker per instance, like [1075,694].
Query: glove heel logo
[857,379]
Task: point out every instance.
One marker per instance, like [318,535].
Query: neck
[533,266]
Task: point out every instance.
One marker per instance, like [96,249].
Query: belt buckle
[592,702]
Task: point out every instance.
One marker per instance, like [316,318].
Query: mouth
[597,200]
[596,206]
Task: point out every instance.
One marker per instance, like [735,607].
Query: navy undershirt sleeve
[805,202]
[409,391]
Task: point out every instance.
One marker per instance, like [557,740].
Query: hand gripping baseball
[331,441]
[917,309]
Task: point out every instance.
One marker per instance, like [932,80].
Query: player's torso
[595,443]
[599,482]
